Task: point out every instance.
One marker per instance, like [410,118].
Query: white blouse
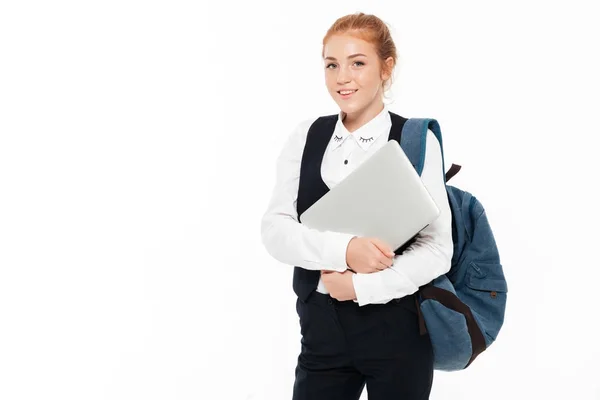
[293,243]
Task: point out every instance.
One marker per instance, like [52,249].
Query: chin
[349,109]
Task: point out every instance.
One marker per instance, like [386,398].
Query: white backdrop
[137,155]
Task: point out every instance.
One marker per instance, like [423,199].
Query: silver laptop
[383,197]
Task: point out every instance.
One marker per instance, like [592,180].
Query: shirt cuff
[374,288]
[334,253]
[365,285]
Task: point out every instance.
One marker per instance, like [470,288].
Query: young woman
[356,305]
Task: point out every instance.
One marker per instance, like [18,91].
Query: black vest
[312,188]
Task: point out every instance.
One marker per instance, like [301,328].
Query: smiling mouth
[346,92]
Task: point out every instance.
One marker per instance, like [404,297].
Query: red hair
[371,29]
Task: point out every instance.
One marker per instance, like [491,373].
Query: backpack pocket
[486,276]
[485,292]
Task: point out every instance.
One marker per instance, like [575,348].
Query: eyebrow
[352,56]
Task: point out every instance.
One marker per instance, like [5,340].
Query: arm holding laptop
[428,257]
[293,243]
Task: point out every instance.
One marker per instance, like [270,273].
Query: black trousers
[345,347]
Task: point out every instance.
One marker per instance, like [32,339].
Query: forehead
[341,46]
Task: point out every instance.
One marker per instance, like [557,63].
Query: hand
[367,254]
[339,284]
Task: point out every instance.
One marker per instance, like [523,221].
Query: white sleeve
[429,256]
[286,239]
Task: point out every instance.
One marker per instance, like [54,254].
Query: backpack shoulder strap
[414,139]
[414,136]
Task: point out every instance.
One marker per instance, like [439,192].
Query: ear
[390,64]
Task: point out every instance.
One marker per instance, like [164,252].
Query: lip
[346,96]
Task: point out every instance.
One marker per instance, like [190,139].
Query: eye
[336,138]
[356,62]
[366,140]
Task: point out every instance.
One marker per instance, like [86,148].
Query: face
[362,73]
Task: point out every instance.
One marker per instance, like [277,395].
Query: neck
[354,120]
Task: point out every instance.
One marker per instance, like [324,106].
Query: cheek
[331,83]
[367,79]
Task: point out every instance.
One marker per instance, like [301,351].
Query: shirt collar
[366,134]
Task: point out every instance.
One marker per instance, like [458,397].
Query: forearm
[290,242]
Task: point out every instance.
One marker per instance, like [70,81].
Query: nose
[343,76]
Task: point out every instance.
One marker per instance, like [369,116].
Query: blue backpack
[463,310]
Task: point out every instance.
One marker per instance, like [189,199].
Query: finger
[382,266]
[386,260]
[383,247]
[380,261]
[385,264]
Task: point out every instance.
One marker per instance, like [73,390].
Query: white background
[137,155]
